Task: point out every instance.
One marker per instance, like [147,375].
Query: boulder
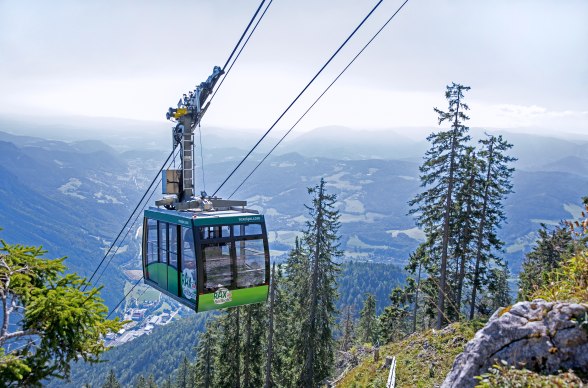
[541,336]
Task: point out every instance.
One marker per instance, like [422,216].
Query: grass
[422,359]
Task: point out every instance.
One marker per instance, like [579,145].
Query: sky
[526,61]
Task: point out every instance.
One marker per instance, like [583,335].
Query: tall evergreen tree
[368,320]
[496,186]
[254,326]
[203,368]
[464,227]
[269,357]
[434,208]
[286,365]
[322,242]
[227,364]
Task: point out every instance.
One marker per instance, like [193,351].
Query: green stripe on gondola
[206,302]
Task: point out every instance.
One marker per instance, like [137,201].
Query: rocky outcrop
[542,336]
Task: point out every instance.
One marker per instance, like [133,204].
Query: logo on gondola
[188,284]
[222,295]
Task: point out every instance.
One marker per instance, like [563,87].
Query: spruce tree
[367,327]
[322,244]
[286,355]
[227,364]
[434,208]
[203,369]
[495,187]
[254,326]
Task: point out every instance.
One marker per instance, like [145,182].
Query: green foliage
[393,322]
[423,359]
[57,322]
[367,329]
[155,356]
[551,249]
[321,244]
[568,283]
[360,278]
[111,381]
[510,377]
[460,210]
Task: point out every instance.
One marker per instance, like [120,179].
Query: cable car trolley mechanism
[205,252]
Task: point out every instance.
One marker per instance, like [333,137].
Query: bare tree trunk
[416,300]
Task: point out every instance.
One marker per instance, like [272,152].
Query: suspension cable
[128,231]
[319,97]
[299,95]
[123,298]
[129,218]
[241,50]
[243,35]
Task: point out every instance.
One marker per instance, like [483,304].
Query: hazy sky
[526,61]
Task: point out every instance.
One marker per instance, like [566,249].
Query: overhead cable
[129,218]
[319,97]
[241,50]
[299,95]
[128,230]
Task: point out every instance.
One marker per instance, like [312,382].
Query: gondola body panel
[206,260]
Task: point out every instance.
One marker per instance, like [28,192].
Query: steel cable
[299,95]
[319,97]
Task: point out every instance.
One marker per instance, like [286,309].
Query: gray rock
[540,336]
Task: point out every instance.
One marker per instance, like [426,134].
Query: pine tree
[367,327]
[322,244]
[111,381]
[434,208]
[496,186]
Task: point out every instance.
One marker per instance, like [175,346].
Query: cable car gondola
[207,253]
[207,260]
